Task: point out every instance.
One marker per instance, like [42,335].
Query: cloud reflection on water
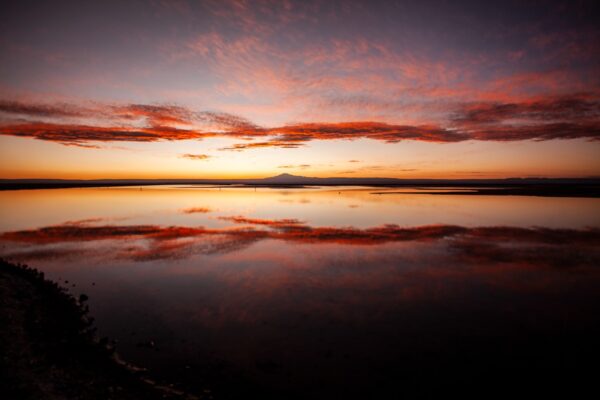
[327,301]
[151,242]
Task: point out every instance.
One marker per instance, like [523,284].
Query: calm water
[324,291]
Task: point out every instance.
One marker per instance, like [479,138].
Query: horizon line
[309,177]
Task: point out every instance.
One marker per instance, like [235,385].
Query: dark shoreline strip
[537,191]
[553,190]
[50,350]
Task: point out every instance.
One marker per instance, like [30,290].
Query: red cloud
[81,134]
[157,115]
[563,130]
[580,106]
[565,117]
[196,210]
[370,130]
[560,117]
[292,136]
[196,156]
[44,110]
[258,145]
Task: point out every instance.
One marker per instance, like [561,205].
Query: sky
[221,89]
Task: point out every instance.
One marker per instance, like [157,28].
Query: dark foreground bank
[49,351]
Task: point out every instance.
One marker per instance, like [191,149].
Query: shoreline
[567,189]
[50,349]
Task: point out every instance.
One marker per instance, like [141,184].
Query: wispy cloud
[292,166]
[81,135]
[196,210]
[257,145]
[564,117]
[578,106]
[44,110]
[199,157]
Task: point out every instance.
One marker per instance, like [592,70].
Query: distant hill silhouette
[288,179]
[586,187]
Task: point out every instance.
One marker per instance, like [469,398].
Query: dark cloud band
[566,117]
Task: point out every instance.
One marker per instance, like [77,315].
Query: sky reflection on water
[302,291]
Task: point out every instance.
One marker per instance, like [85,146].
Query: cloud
[156,115]
[83,135]
[299,166]
[564,117]
[43,110]
[371,130]
[196,210]
[196,156]
[292,136]
[153,114]
[258,145]
[84,125]
[554,117]
[580,106]
[562,130]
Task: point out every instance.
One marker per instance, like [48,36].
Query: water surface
[318,292]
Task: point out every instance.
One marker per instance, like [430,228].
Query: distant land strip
[559,187]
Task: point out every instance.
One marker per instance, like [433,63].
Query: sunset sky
[211,89]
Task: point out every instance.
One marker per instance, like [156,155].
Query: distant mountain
[287,179]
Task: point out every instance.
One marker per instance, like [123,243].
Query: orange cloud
[196,156]
[44,110]
[258,145]
[371,130]
[196,210]
[564,117]
[579,106]
[562,130]
[82,134]
[301,166]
